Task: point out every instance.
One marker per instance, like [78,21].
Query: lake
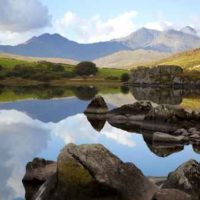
[40,121]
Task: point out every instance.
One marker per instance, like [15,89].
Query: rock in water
[186,178]
[140,107]
[85,164]
[97,106]
[37,172]
[171,194]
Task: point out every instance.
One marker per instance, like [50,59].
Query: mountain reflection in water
[41,128]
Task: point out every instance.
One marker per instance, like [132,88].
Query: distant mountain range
[56,46]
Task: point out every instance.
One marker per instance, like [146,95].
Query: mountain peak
[189,30]
[47,37]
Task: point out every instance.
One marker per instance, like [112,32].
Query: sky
[88,21]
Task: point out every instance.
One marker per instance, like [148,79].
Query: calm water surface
[38,123]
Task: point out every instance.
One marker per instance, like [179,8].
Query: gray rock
[171,194]
[97,106]
[138,108]
[94,161]
[39,169]
[186,178]
[37,173]
[166,113]
[182,132]
[160,75]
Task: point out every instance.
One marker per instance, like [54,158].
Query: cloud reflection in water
[23,138]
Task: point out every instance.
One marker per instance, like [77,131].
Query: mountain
[140,39]
[56,46]
[189,30]
[175,41]
[127,59]
[165,41]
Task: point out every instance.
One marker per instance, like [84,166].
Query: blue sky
[91,21]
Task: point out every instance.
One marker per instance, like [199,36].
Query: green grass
[11,62]
[105,72]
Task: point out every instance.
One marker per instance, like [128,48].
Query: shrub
[86,68]
[125,77]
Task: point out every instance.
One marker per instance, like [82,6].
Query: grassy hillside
[189,60]
[128,59]
[24,71]
[10,60]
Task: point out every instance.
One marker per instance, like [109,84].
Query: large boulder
[97,106]
[96,162]
[91,172]
[186,178]
[37,172]
[171,194]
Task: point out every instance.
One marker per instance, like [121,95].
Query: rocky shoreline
[166,129]
[163,76]
[91,172]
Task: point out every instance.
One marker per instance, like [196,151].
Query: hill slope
[8,60]
[125,59]
[189,60]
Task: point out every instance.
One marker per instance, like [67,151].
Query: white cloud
[96,29]
[23,15]
[22,138]
[161,25]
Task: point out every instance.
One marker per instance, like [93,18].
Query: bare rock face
[97,106]
[160,75]
[186,178]
[37,172]
[171,194]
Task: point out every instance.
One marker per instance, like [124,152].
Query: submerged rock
[171,194]
[97,106]
[169,139]
[186,178]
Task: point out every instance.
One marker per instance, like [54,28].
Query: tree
[125,77]
[86,68]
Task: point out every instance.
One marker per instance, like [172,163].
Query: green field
[12,62]
[21,72]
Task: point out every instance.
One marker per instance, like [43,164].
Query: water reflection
[41,128]
[86,93]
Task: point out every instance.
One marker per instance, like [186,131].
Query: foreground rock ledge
[91,172]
